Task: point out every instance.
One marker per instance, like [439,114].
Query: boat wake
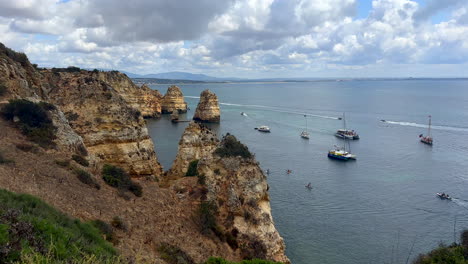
[447,128]
[273,109]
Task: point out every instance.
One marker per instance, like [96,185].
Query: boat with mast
[346,133]
[304,133]
[428,138]
[340,153]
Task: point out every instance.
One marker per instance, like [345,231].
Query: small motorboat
[444,196]
[243,114]
[309,186]
[305,135]
[263,129]
[383,120]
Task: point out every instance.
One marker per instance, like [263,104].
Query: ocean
[381,208]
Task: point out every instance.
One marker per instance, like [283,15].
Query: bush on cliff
[192,169]
[86,178]
[231,147]
[32,119]
[33,232]
[80,160]
[207,213]
[118,178]
[174,255]
[455,253]
[3,89]
[16,56]
[213,260]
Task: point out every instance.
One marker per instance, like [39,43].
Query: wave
[437,127]
[196,97]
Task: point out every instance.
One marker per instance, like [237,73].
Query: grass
[231,147]
[32,230]
[33,120]
[4,160]
[192,169]
[118,178]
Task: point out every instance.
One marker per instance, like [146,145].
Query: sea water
[381,208]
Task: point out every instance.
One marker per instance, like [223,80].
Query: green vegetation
[174,255]
[118,178]
[201,179]
[4,160]
[33,232]
[192,169]
[105,229]
[68,69]
[16,56]
[80,160]
[253,261]
[27,147]
[453,254]
[207,213]
[118,223]
[3,89]
[33,120]
[231,147]
[86,178]
[63,163]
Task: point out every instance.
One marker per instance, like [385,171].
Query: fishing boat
[444,196]
[304,133]
[427,139]
[263,129]
[346,133]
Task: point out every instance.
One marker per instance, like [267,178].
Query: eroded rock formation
[112,130]
[208,108]
[196,142]
[173,100]
[237,187]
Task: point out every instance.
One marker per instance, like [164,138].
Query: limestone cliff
[112,130]
[208,108]
[173,100]
[143,98]
[237,187]
[196,142]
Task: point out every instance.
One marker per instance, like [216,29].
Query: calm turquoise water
[368,211]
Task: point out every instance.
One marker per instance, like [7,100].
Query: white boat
[304,133]
[346,133]
[263,129]
[427,139]
[243,113]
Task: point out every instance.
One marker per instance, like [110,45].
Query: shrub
[253,261]
[118,178]
[192,169]
[16,56]
[71,116]
[216,171]
[63,163]
[105,229]
[174,255]
[34,120]
[118,223]
[27,147]
[86,178]
[201,179]
[4,160]
[3,89]
[464,238]
[207,213]
[80,160]
[231,147]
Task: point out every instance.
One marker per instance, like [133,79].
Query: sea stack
[173,100]
[208,108]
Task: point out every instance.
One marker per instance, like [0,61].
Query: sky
[244,38]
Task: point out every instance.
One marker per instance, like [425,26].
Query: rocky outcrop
[235,184]
[143,98]
[173,100]
[111,129]
[208,108]
[196,142]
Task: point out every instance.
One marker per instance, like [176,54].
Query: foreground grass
[33,232]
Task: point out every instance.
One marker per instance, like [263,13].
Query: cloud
[244,37]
